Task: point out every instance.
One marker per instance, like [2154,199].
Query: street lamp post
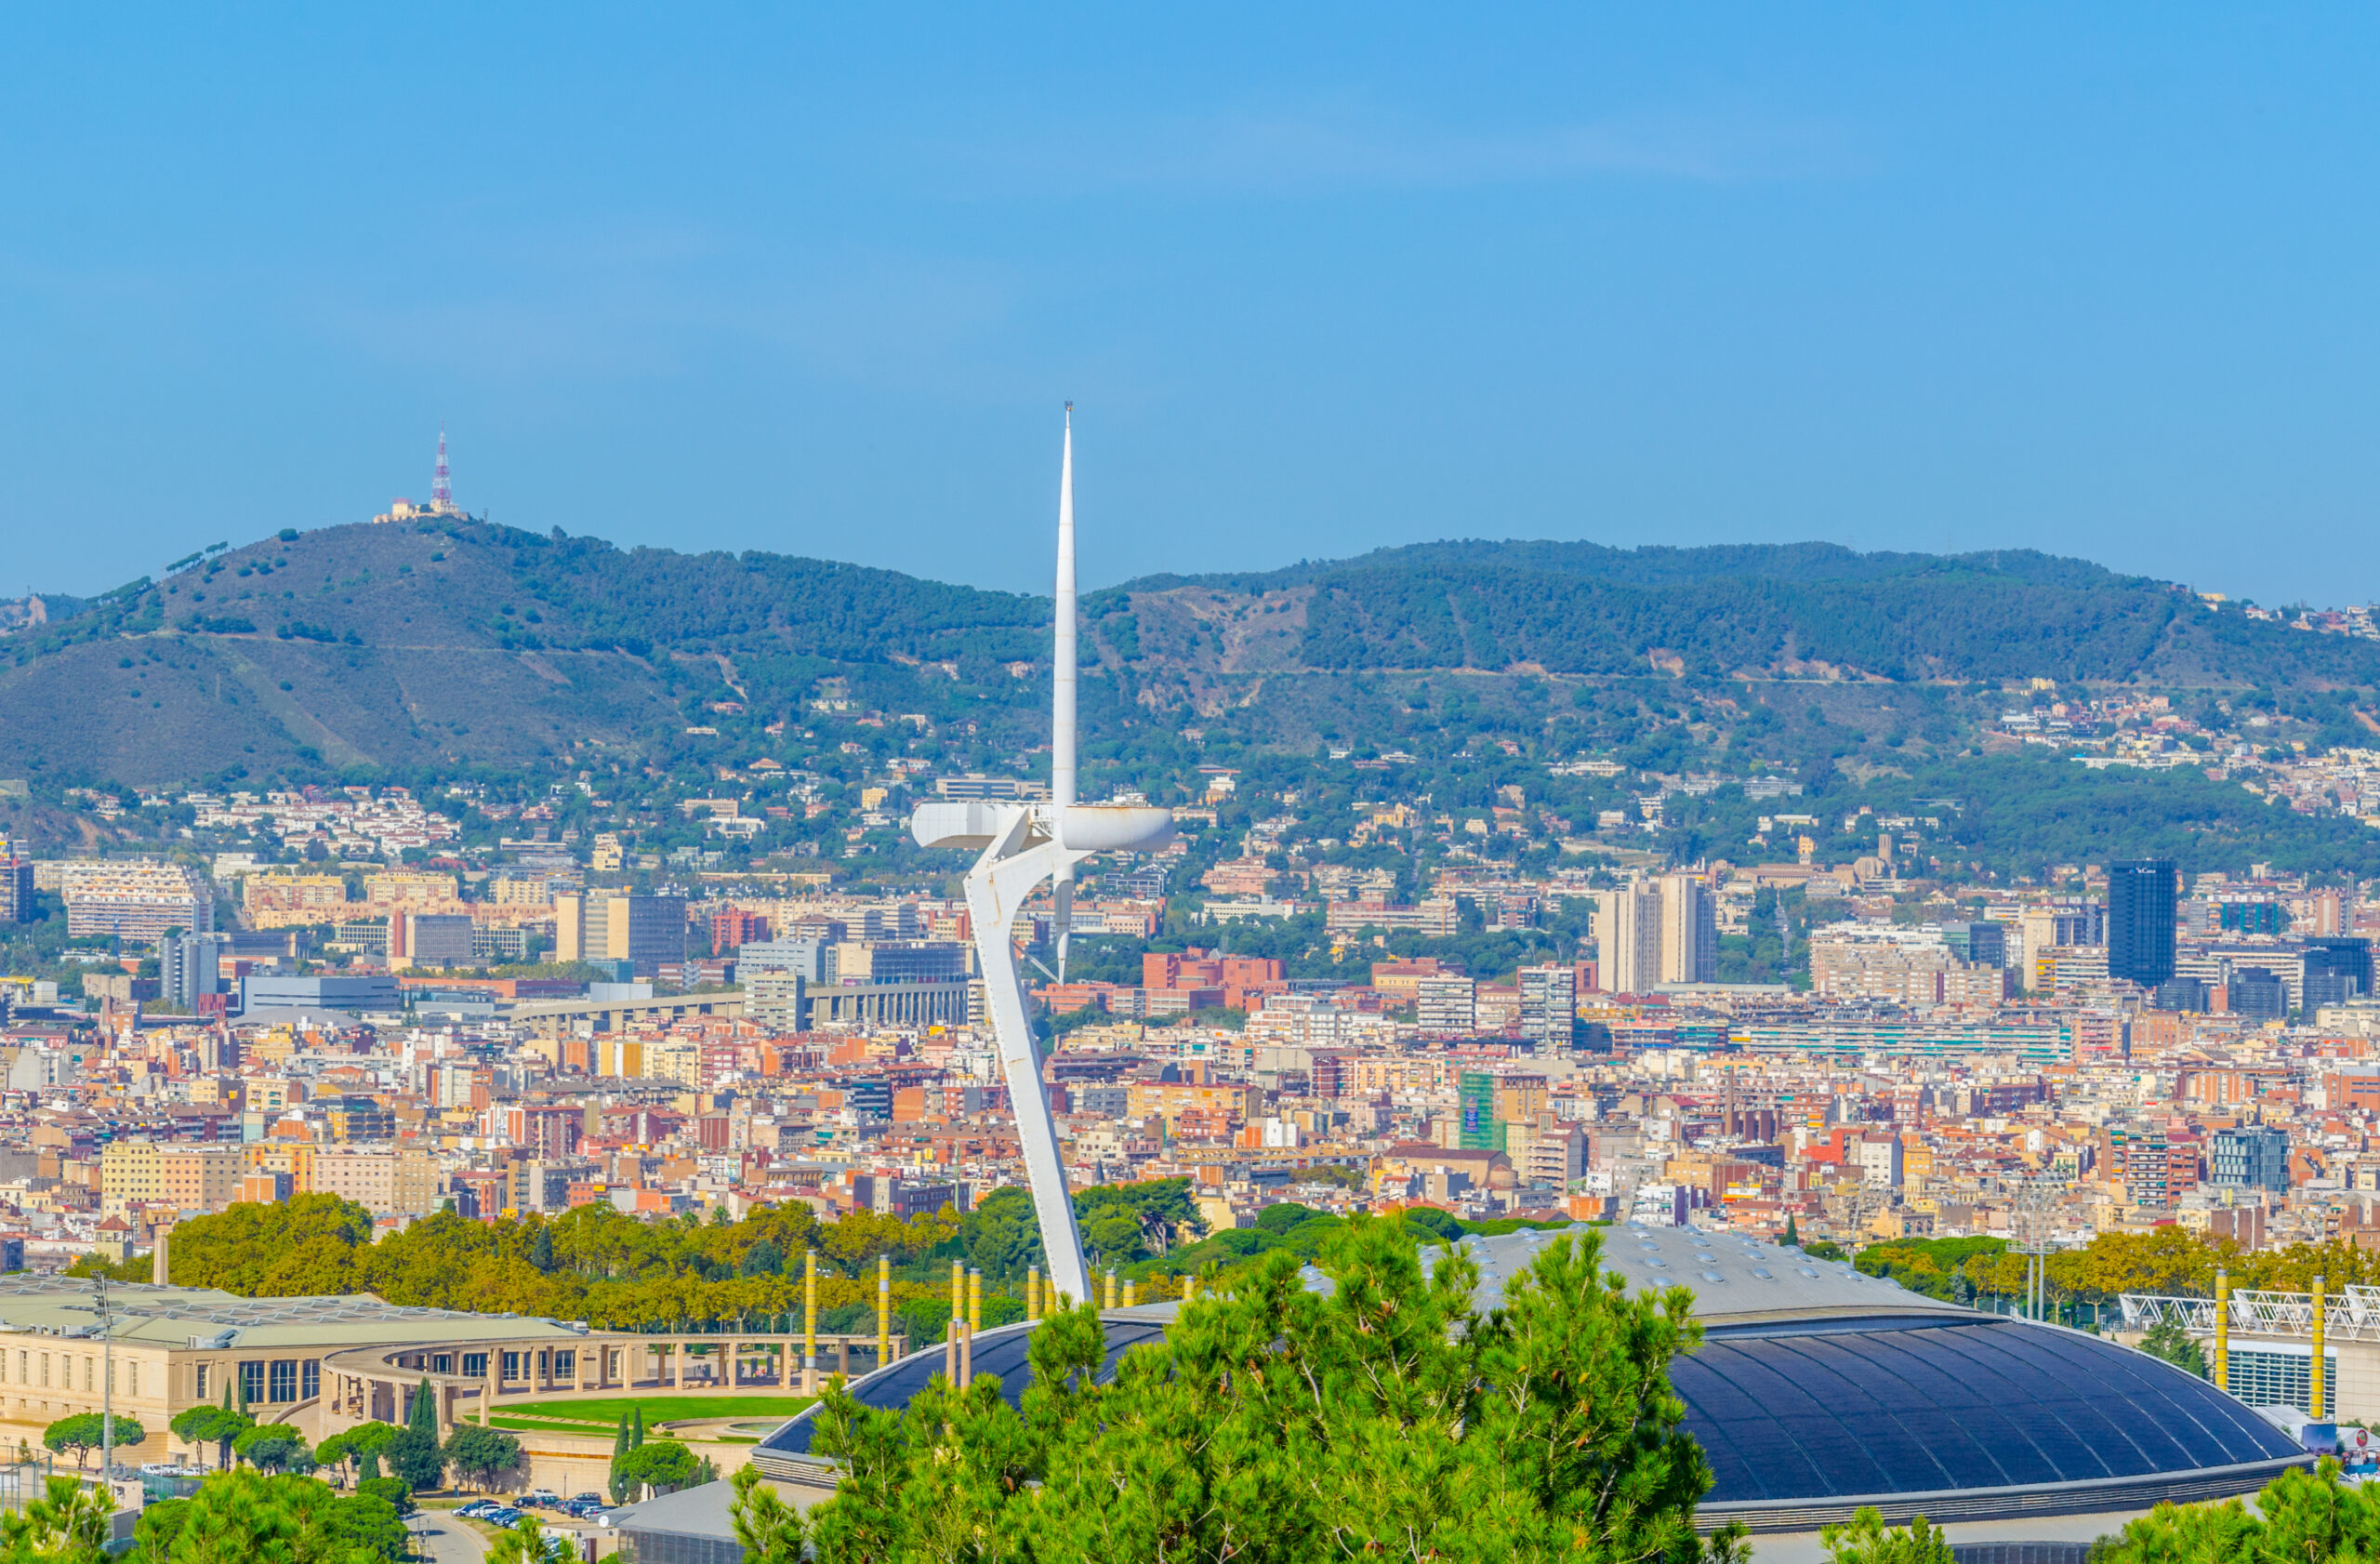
[107,1388]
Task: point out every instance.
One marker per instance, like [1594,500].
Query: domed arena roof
[1818,1390]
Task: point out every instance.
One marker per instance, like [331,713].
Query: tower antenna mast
[1021,845]
[441,486]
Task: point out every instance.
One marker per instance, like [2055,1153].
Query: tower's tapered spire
[1062,713]
[1062,699]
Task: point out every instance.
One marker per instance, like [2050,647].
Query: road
[450,1540]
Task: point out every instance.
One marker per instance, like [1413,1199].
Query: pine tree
[636,1428]
[620,1447]
[422,1416]
[1792,1238]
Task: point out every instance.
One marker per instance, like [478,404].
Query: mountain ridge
[452,642]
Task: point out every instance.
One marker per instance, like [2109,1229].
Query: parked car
[506,1516]
[541,1497]
[594,1499]
[478,1509]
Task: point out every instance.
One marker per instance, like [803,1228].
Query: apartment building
[1169,1099]
[645,932]
[380,1182]
[1902,967]
[1658,932]
[15,889]
[136,899]
[1445,1005]
[188,1178]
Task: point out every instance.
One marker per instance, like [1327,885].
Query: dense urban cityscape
[1679,863]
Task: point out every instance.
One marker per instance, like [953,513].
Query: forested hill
[445,642]
[1758,610]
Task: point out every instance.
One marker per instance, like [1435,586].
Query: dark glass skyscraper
[2338,968]
[2140,919]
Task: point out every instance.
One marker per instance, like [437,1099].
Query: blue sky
[1321,279]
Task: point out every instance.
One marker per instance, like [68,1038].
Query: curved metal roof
[1732,1278]
[1001,1351]
[1961,1415]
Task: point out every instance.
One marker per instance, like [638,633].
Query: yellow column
[974,1298]
[2314,1370]
[810,1319]
[884,1309]
[1131,1291]
[957,1290]
[1111,1288]
[1189,1287]
[1033,1293]
[2222,1330]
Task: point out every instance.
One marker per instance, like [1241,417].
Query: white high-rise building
[1662,932]
[1628,939]
[1689,931]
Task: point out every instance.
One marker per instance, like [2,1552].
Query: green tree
[368,1524]
[67,1525]
[422,1411]
[523,1543]
[414,1458]
[273,1447]
[202,1425]
[301,1247]
[76,1436]
[663,1467]
[353,1446]
[2300,1518]
[247,1517]
[1278,1423]
[768,1529]
[1869,1541]
[620,1447]
[2170,1342]
[482,1455]
[160,1524]
[393,1491]
[223,1425]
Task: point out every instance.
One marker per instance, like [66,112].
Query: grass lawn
[657,1408]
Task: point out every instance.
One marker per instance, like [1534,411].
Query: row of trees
[407,1458]
[2171,1261]
[620,1272]
[244,1516]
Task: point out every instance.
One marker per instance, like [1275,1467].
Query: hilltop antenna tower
[441,486]
[1022,845]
